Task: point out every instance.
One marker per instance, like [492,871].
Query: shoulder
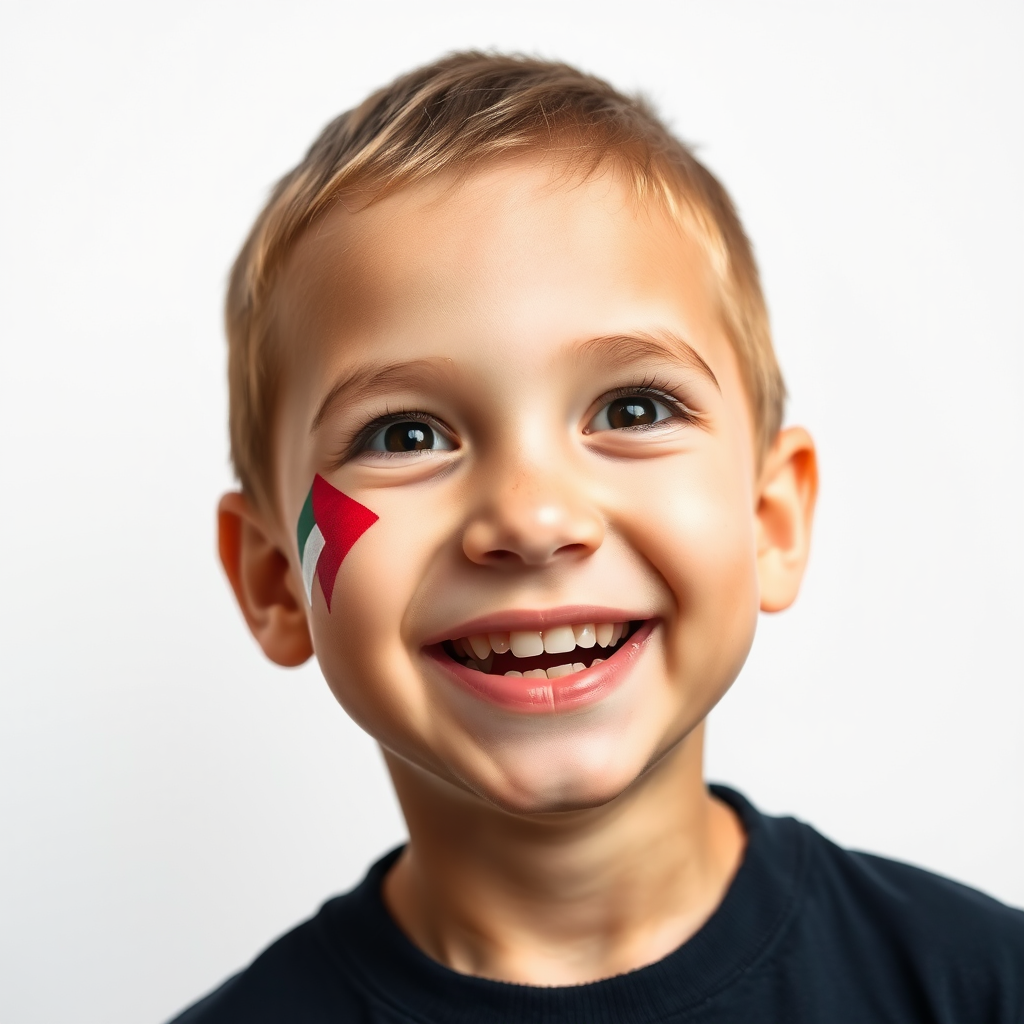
[962,950]
[299,978]
[858,937]
[318,973]
[913,901]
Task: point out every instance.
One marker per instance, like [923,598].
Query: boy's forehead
[522,249]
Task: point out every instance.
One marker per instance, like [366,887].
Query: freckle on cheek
[329,524]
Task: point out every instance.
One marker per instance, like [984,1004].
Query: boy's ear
[787,491]
[262,580]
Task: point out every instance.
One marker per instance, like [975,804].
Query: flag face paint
[329,524]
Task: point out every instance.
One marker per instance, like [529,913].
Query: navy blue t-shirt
[807,932]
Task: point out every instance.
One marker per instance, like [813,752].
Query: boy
[507,420]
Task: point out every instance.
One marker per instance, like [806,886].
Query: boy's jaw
[556,660]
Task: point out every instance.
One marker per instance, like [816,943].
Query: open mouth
[542,654]
[561,666]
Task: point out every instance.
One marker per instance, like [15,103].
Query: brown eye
[408,437]
[632,411]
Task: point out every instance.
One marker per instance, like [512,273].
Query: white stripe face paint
[310,556]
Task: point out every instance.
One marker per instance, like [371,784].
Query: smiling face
[524,377]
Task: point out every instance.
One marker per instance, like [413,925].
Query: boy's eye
[408,436]
[630,411]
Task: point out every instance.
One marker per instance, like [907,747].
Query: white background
[169,801]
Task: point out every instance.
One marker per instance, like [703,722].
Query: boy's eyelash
[652,387]
[354,443]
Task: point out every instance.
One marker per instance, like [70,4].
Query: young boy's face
[526,379]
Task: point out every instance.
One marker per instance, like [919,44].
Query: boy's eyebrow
[368,381]
[623,349]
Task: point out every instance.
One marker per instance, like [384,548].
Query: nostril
[573,549]
[503,556]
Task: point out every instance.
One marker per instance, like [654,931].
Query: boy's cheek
[358,642]
[693,520]
[697,529]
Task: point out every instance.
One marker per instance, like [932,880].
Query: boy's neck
[567,898]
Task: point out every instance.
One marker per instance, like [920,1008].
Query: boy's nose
[528,520]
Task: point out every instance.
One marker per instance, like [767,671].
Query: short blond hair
[450,116]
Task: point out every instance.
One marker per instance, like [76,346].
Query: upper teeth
[530,643]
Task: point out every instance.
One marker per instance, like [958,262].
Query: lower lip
[547,696]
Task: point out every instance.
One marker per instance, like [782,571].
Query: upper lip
[534,619]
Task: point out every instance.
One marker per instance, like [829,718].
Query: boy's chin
[541,764]
[553,773]
[568,792]
[550,788]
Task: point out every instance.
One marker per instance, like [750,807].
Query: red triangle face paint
[330,523]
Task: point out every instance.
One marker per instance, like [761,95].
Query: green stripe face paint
[329,524]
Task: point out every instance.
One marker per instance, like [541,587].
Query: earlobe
[788,490]
[262,579]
